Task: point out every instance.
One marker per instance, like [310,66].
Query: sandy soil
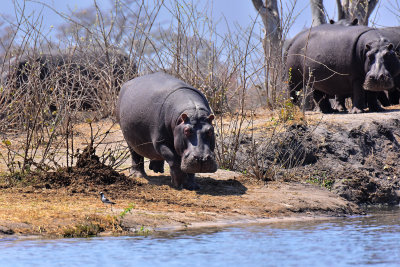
[67,203]
[226,198]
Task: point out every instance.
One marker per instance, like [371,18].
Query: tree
[317,12]
[347,9]
[272,43]
[356,9]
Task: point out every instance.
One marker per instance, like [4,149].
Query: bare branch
[356,9]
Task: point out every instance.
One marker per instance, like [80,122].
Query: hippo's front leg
[358,98]
[191,183]
[178,177]
[372,101]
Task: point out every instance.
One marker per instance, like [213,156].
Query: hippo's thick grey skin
[342,61]
[163,118]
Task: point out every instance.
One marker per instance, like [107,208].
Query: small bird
[106,200]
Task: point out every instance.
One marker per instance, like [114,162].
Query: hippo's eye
[188,131]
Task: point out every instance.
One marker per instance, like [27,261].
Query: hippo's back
[144,96]
[326,53]
[149,106]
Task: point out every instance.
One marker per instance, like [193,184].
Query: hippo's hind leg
[137,164]
[340,103]
[323,102]
[295,85]
[157,166]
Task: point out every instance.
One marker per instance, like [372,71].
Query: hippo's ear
[390,47]
[331,21]
[183,118]
[354,22]
[210,118]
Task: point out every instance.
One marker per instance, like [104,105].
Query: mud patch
[358,161]
[89,175]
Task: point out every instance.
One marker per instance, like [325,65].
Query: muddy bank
[323,166]
[148,206]
[66,203]
[355,156]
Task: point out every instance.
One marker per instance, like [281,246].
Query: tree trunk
[272,44]
[352,9]
[317,12]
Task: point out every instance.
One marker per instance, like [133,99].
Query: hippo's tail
[116,111]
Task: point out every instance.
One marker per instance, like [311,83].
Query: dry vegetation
[57,101]
[51,87]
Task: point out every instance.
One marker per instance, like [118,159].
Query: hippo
[81,73]
[386,98]
[338,60]
[164,119]
[338,104]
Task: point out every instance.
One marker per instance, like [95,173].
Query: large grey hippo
[163,118]
[342,61]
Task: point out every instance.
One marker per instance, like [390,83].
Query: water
[372,240]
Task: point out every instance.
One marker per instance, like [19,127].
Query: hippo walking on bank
[163,118]
[341,61]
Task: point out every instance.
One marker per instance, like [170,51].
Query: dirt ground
[341,160]
[356,156]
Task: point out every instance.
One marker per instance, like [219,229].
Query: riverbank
[341,160]
[226,198]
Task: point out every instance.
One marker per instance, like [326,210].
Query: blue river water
[372,240]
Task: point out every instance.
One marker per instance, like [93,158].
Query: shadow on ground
[208,186]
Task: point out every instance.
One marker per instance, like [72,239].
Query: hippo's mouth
[196,164]
[377,85]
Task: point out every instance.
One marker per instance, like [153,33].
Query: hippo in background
[164,119]
[387,97]
[342,61]
[80,76]
[336,103]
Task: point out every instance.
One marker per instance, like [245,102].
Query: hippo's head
[194,141]
[381,66]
